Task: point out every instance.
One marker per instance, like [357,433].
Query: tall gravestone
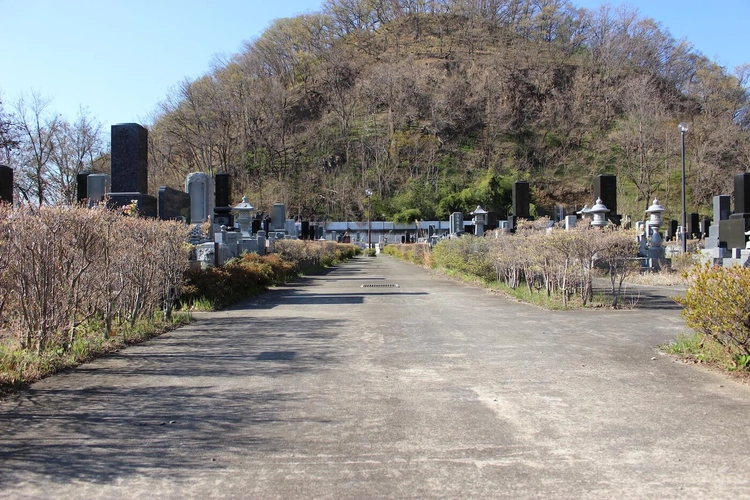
[741,195]
[6,184]
[722,207]
[722,211]
[671,229]
[732,231]
[693,225]
[521,200]
[129,158]
[278,217]
[223,208]
[129,171]
[605,189]
[82,187]
[457,223]
[199,187]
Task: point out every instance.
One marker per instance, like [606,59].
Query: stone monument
[173,204]
[6,184]
[199,187]
[130,168]
[605,189]
[521,201]
[82,189]
[223,209]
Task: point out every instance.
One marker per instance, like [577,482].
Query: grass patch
[703,349]
[20,367]
[551,302]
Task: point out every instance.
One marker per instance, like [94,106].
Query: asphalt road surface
[380,379]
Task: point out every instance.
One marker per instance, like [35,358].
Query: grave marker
[6,184]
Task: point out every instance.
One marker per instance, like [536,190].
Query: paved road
[348,386]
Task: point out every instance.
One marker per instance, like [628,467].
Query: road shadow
[177,404]
[641,297]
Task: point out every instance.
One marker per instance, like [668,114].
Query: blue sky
[119,59]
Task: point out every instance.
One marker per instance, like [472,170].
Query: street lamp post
[683,128]
[368,192]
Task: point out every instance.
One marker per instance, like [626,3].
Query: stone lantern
[655,220]
[243,217]
[480,220]
[655,215]
[599,213]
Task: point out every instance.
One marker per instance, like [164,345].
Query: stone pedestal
[97,187]
[173,204]
[147,206]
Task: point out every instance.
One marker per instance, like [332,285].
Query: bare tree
[76,146]
[38,129]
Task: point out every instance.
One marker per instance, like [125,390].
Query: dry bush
[68,264]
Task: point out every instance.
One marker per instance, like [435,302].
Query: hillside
[438,107]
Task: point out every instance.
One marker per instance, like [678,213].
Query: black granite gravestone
[732,233]
[129,158]
[693,228]
[722,208]
[222,207]
[742,193]
[257,224]
[605,188]
[82,187]
[6,184]
[173,204]
[521,200]
[705,225]
[672,229]
[223,189]
[129,169]
[304,230]
[741,199]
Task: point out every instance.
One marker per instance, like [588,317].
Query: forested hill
[437,106]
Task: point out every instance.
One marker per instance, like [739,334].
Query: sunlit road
[382,380]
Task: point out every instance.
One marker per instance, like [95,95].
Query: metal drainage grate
[380,285]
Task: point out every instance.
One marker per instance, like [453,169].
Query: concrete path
[382,380]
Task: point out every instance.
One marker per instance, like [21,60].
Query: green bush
[717,304]
[417,253]
[250,274]
[468,255]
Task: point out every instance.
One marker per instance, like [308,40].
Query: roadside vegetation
[76,283]
[552,268]
[250,274]
[717,308]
